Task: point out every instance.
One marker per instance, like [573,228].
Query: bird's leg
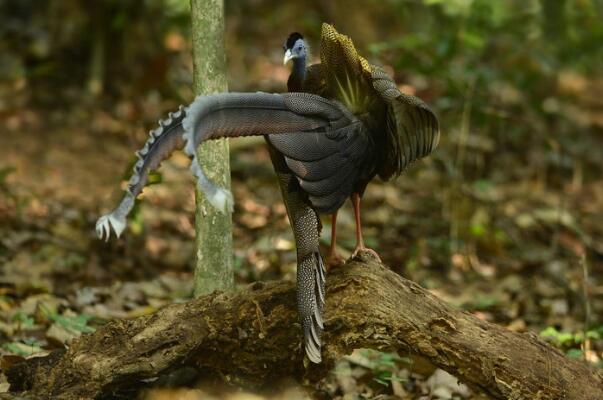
[334,259]
[359,240]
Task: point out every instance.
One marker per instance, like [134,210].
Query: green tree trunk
[214,268]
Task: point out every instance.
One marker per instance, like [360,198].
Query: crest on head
[295,47]
[292,39]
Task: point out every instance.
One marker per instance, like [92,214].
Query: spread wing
[403,126]
[412,129]
[346,73]
[399,127]
[327,165]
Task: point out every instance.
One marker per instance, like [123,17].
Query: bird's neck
[298,75]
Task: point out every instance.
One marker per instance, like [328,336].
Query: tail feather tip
[222,200]
[108,221]
[313,352]
[312,342]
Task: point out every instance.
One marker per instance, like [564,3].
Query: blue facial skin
[296,50]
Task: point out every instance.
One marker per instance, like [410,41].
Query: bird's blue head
[295,47]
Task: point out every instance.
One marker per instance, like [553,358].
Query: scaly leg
[334,259]
[359,240]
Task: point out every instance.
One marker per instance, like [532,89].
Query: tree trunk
[214,269]
[253,337]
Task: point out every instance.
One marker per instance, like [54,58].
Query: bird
[331,78]
[346,125]
[297,51]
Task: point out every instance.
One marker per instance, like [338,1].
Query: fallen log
[252,337]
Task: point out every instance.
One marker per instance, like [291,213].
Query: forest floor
[520,253]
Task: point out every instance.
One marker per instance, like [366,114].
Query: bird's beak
[288,56]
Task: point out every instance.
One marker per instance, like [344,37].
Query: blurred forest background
[505,220]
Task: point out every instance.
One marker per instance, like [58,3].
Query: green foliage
[176,8]
[73,323]
[25,321]
[500,75]
[136,221]
[60,38]
[569,339]
[571,342]
[24,348]
[508,50]
[4,173]
[77,323]
[4,188]
[482,303]
[384,365]
[575,353]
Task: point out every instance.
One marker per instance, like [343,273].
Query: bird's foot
[362,249]
[334,260]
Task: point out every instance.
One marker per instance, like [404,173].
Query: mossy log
[253,337]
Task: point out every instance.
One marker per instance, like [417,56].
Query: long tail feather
[250,114]
[221,116]
[162,141]
[311,301]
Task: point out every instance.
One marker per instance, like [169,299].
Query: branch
[253,336]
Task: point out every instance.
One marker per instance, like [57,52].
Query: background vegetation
[505,220]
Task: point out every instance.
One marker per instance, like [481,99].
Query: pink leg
[334,259]
[359,240]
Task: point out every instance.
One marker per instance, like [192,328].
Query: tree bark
[253,337]
[214,268]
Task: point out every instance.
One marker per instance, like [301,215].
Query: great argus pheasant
[348,124]
[297,51]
